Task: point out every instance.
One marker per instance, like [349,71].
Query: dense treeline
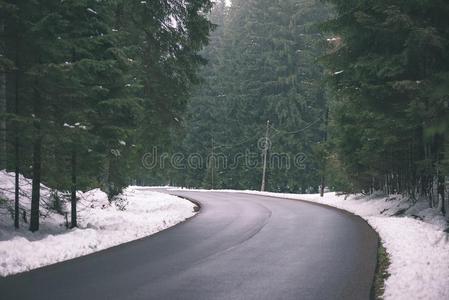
[360,87]
[262,66]
[88,86]
[390,108]
[356,93]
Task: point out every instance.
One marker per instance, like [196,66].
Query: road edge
[381,275]
[197,211]
[382,254]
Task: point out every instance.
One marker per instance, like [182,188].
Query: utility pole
[212,162]
[265,153]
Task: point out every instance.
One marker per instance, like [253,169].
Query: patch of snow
[418,249]
[7,192]
[92,11]
[68,125]
[334,39]
[141,213]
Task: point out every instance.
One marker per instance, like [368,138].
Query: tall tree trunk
[2,121]
[323,170]
[2,102]
[35,194]
[73,199]
[16,138]
[322,184]
[37,162]
[108,177]
[16,165]
[441,193]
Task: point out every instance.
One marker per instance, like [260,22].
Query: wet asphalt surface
[239,246]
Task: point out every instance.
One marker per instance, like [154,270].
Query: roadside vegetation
[383,262]
[88,87]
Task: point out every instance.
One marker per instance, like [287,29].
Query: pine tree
[390,82]
[9,35]
[19,31]
[262,66]
[93,80]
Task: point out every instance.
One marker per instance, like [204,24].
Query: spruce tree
[389,77]
[262,66]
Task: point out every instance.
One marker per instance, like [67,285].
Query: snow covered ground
[140,213]
[412,234]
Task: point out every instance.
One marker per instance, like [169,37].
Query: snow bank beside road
[412,234]
[419,250]
[416,242]
[101,226]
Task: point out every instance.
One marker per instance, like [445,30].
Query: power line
[255,137]
[283,132]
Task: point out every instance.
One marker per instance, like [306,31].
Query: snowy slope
[414,239]
[102,225]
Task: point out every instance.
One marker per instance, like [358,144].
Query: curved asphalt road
[239,247]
